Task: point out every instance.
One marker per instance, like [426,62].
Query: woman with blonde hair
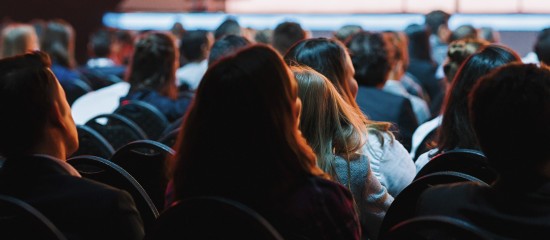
[240,140]
[18,38]
[390,161]
[337,133]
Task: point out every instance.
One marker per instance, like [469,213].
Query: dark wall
[84,15]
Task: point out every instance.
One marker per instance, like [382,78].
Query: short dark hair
[434,19]
[464,32]
[287,34]
[510,113]
[191,44]
[369,57]
[542,46]
[27,90]
[226,46]
[100,43]
[229,26]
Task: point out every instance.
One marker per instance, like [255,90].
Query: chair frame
[98,137]
[413,228]
[147,107]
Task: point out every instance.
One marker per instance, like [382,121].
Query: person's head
[488,34]
[330,58]
[329,124]
[240,137]
[178,30]
[456,130]
[419,42]
[464,32]
[287,34]
[17,38]
[398,53]
[542,46]
[195,45]
[229,26]
[123,46]
[510,112]
[100,44]
[225,46]
[58,40]
[437,23]
[36,113]
[264,36]
[154,64]
[370,58]
[457,52]
[345,31]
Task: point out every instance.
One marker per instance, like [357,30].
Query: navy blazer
[78,207]
[379,105]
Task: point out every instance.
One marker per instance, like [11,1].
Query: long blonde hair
[327,121]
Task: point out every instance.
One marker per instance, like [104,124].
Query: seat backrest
[146,161]
[19,220]
[211,218]
[436,227]
[90,142]
[117,129]
[75,88]
[404,204]
[468,161]
[424,145]
[173,126]
[146,116]
[170,138]
[107,172]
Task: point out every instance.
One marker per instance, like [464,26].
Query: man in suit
[37,134]
[372,67]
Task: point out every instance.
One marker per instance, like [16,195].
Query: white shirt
[191,74]
[422,131]
[102,101]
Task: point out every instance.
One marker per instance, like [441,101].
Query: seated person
[38,133]
[194,47]
[510,112]
[152,75]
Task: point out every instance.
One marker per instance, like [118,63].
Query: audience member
[437,24]
[100,49]
[36,139]
[458,52]
[542,47]
[390,161]
[17,38]
[372,68]
[287,34]
[395,84]
[345,31]
[264,36]
[247,109]
[152,75]
[123,46]
[229,26]
[516,206]
[195,47]
[225,46]
[58,41]
[488,34]
[337,133]
[464,32]
[456,130]
[422,67]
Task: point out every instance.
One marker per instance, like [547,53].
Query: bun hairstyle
[458,52]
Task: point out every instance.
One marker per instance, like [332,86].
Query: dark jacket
[172,109]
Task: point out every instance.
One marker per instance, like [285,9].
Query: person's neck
[52,145]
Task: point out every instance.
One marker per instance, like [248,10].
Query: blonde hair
[330,125]
[18,39]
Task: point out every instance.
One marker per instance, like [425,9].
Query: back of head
[458,52]
[27,91]
[456,130]
[397,47]
[226,46]
[370,58]
[435,19]
[464,32]
[329,124]
[419,42]
[489,34]
[240,136]
[154,63]
[195,45]
[58,41]
[510,112]
[542,46]
[328,57]
[123,41]
[100,43]
[17,39]
[229,26]
[287,34]
[345,31]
